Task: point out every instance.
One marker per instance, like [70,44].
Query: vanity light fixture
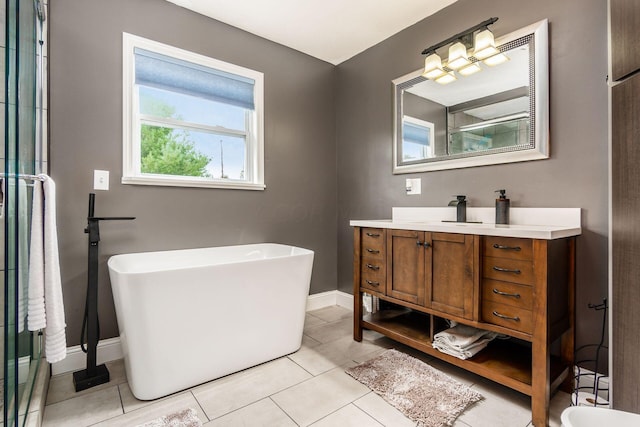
[433,67]
[472,68]
[458,57]
[459,60]
[496,59]
[446,78]
[484,45]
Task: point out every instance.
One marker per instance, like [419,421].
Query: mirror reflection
[485,114]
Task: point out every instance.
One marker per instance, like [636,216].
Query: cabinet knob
[373,251]
[425,244]
[373,267]
[371,283]
[373,234]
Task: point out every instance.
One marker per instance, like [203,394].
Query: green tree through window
[168,151]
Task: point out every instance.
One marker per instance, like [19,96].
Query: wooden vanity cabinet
[432,270]
[520,287]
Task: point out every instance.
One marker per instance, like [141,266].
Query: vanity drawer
[507,316]
[508,270]
[508,247]
[513,294]
[373,244]
[373,275]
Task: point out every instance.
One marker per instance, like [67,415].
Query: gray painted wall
[328,132]
[575,175]
[298,207]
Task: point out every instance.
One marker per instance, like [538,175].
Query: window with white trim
[190,120]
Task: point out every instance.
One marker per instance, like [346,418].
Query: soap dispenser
[502,208]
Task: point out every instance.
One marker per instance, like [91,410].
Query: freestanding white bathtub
[190,316]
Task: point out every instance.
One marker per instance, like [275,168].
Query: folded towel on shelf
[462,341]
[45,286]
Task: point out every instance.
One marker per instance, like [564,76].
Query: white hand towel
[55,335]
[35,311]
[46,308]
[23,253]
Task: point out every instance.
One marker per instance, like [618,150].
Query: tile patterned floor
[307,388]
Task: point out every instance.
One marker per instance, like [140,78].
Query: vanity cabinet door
[450,273]
[406,266]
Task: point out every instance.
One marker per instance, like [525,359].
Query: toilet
[590,416]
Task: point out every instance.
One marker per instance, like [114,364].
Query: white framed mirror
[498,115]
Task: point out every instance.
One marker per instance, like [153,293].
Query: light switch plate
[100,180]
[414,186]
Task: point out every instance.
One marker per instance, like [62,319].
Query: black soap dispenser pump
[502,208]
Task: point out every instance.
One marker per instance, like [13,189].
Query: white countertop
[533,223]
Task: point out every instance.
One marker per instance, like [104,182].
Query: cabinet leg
[357,317]
[540,411]
[541,389]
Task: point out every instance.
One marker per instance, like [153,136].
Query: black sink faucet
[461,208]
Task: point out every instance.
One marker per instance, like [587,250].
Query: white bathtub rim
[110,349]
[296,251]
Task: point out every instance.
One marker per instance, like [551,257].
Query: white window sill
[176,181]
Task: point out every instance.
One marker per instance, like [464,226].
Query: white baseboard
[329,298]
[110,349]
[344,299]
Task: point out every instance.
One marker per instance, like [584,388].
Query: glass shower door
[21,348]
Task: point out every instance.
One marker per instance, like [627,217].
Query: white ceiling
[331,30]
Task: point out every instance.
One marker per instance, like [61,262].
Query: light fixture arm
[459,36]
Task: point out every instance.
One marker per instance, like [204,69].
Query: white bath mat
[185,418]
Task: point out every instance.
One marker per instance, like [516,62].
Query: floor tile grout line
[200,405]
[344,406]
[301,367]
[121,400]
[282,409]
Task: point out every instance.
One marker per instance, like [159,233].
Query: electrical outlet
[414,186]
[100,180]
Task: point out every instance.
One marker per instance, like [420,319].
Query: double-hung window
[190,120]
